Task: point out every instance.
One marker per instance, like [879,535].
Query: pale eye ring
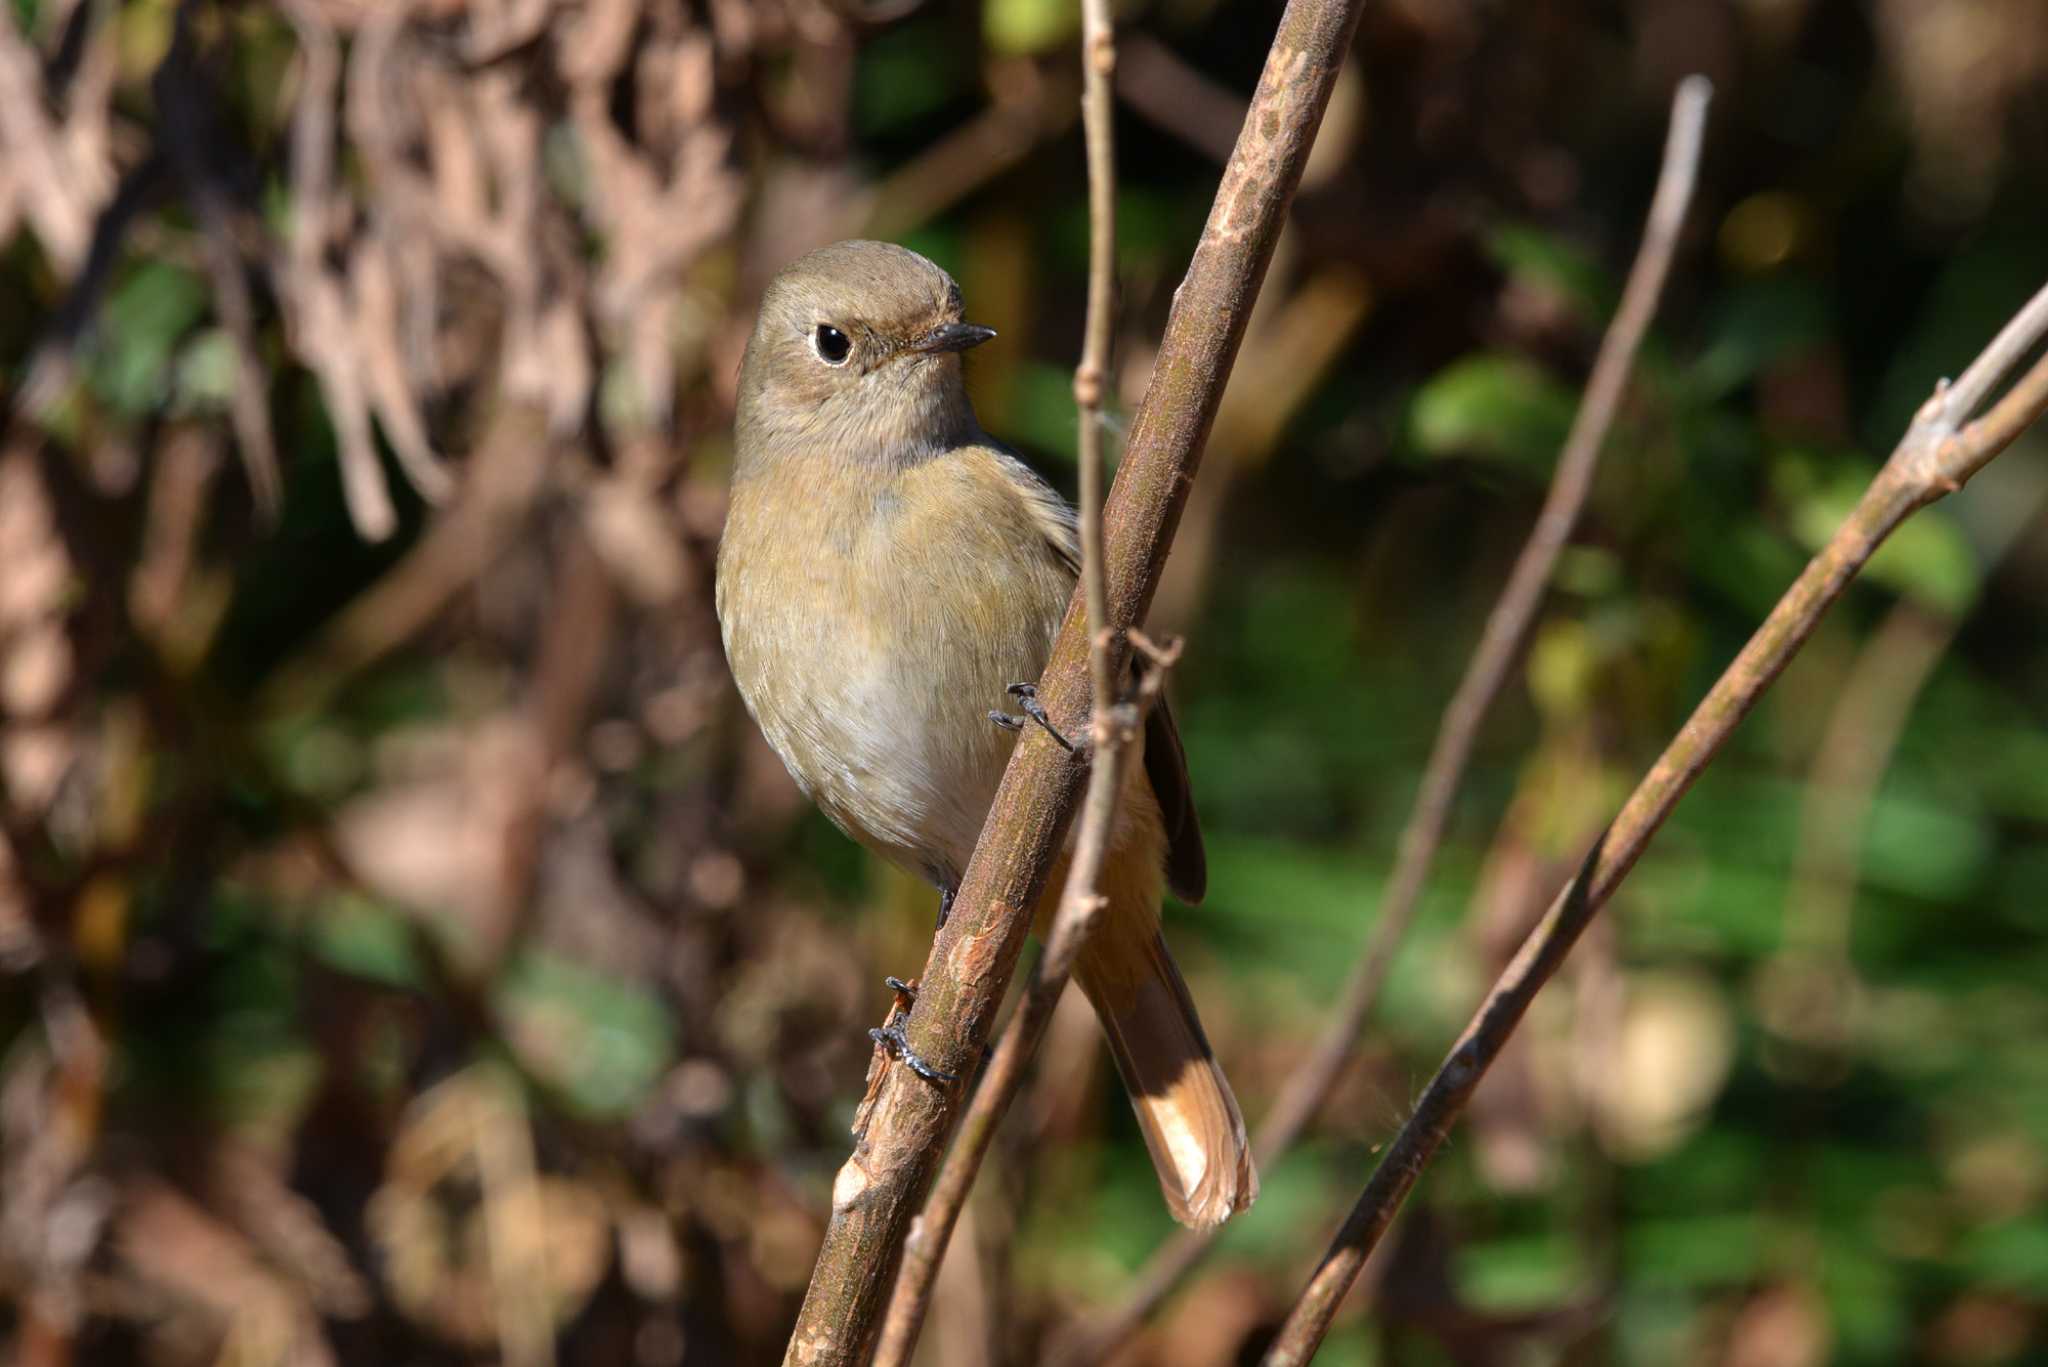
[832,345]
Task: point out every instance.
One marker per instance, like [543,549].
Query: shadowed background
[409,952]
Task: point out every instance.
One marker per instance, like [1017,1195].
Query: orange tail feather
[1184,1105]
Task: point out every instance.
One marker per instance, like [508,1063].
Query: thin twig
[320,325]
[904,1126]
[1941,450]
[1091,377]
[1507,625]
[1029,109]
[61,195]
[1485,676]
[925,1249]
[1175,97]
[499,489]
[1112,729]
[930,1233]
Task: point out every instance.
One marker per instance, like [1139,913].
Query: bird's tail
[1184,1105]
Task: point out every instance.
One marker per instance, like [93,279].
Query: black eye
[832,344]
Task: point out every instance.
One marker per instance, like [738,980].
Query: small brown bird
[887,571]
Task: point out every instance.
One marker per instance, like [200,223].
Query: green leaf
[1534,257]
[1026,28]
[1532,1273]
[1925,845]
[1298,914]
[1495,406]
[1151,227]
[904,74]
[1747,564]
[367,939]
[1310,904]
[1591,572]
[206,372]
[145,319]
[2012,1256]
[1864,1298]
[2022,874]
[1706,1250]
[1758,324]
[604,1042]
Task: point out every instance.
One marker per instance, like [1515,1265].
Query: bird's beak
[952,337]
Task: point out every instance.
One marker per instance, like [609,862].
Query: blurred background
[410,953]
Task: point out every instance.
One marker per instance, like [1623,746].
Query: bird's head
[856,357]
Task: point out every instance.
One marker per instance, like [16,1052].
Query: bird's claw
[1034,710]
[892,1040]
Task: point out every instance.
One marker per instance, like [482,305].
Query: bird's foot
[892,1039]
[945,910]
[1034,710]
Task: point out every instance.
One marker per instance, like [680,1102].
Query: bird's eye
[833,346]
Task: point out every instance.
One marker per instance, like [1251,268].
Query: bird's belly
[911,772]
[882,718]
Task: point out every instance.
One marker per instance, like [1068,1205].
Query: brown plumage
[886,571]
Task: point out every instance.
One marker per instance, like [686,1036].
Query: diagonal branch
[903,1130]
[925,1248]
[1938,454]
[1458,732]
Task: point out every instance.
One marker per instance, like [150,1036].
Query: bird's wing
[1055,516]
[1166,762]
[1166,765]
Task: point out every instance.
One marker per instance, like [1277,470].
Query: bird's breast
[871,629]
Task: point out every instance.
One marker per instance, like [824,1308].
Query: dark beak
[952,337]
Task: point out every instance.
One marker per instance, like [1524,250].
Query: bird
[886,570]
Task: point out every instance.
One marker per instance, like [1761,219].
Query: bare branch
[1091,377]
[1507,625]
[2018,337]
[1485,676]
[503,479]
[925,1249]
[899,1143]
[1112,730]
[56,193]
[320,324]
[1169,93]
[1030,107]
[1938,454]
